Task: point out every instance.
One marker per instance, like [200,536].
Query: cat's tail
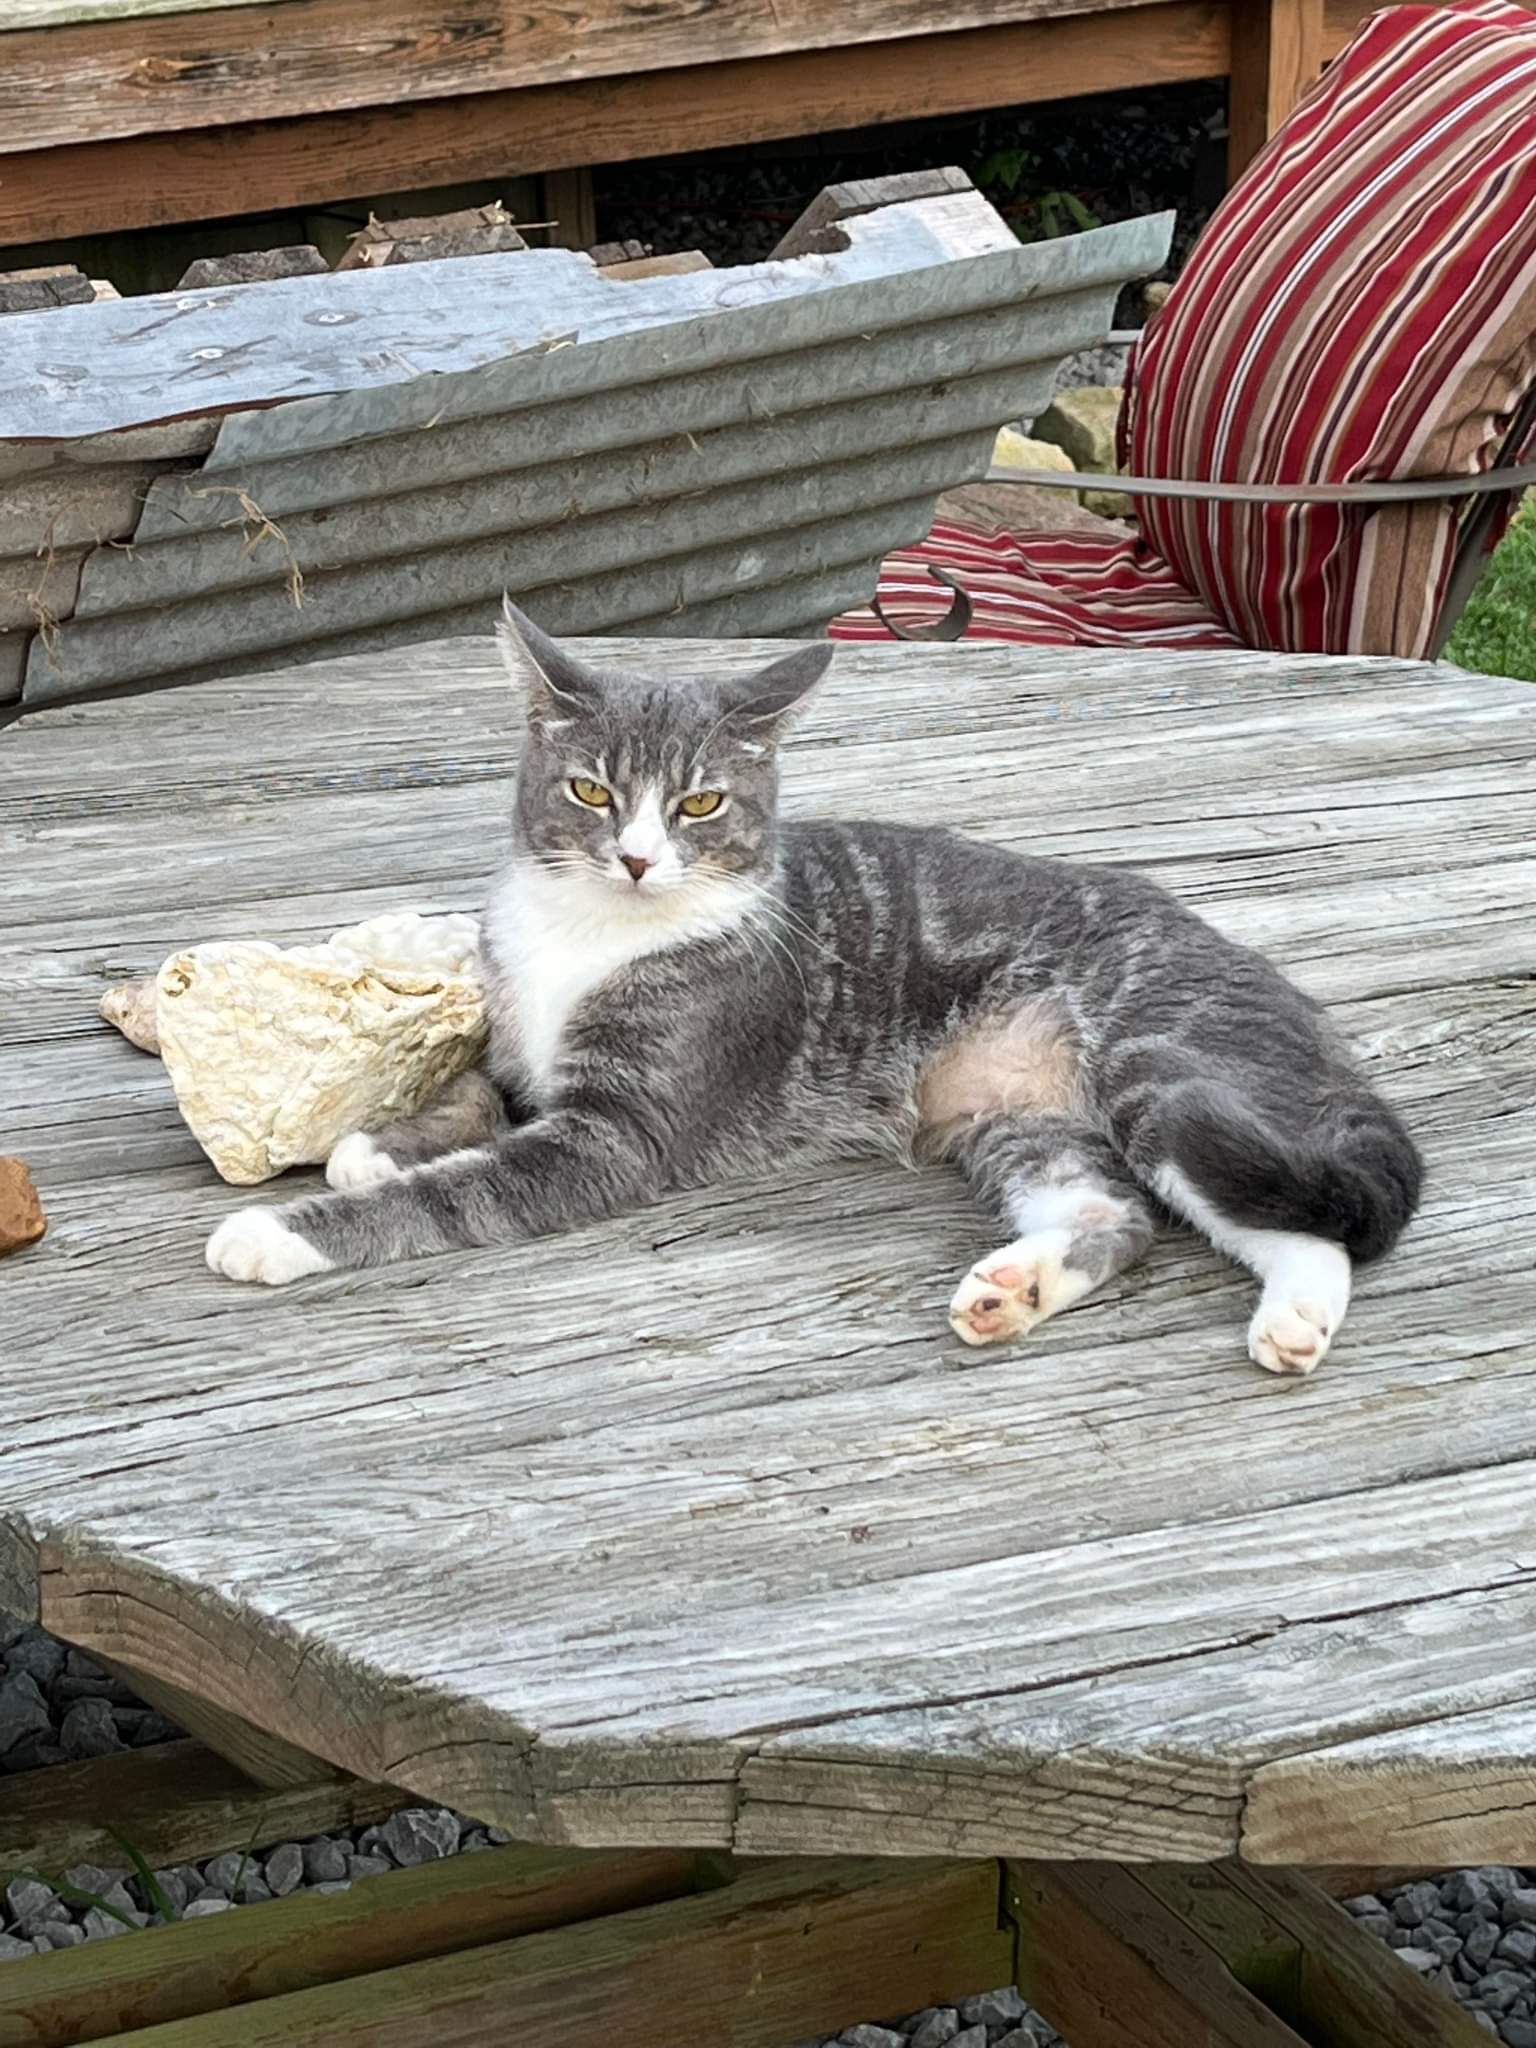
[1351,1174]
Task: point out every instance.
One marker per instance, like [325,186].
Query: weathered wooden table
[700,1531]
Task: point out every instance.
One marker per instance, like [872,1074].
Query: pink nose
[636,864]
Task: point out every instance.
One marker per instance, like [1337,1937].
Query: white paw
[357,1162]
[255,1244]
[1290,1337]
[1012,1290]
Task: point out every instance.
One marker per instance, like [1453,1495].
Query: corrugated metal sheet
[721,452]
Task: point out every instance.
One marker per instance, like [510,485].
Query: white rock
[131,1007]
[275,1054]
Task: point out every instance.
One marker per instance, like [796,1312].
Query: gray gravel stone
[174,1885]
[252,1890]
[200,1909]
[1518,2033]
[337,1884]
[1481,1942]
[994,2008]
[1423,1960]
[63,1934]
[13,1951]
[973,2037]
[101,1926]
[935,2027]
[139,1727]
[89,1730]
[324,1862]
[38,1654]
[23,1710]
[1520,1907]
[368,1866]
[419,1834]
[1519,1946]
[284,1869]
[871,2037]
[25,1896]
[1501,1989]
[90,1877]
[33,1753]
[222,1872]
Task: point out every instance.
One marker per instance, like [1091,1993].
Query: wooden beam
[264,1760]
[1305,1958]
[176,1802]
[1113,1966]
[155,180]
[1277,52]
[567,201]
[784,1951]
[1164,1955]
[204,1966]
[132,76]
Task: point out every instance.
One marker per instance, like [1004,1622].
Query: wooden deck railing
[114,118]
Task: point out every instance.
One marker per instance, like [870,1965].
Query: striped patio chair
[1325,426]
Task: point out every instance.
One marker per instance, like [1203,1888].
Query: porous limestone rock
[131,1007]
[1013,450]
[276,1053]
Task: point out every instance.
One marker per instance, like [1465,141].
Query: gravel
[57,1706]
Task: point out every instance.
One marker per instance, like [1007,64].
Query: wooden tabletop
[700,1527]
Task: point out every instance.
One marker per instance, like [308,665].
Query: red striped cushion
[1361,307]
[1042,590]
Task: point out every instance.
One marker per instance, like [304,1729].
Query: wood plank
[567,200]
[258,1756]
[385,1923]
[1429,1795]
[1346,1989]
[177,1802]
[73,186]
[1111,1966]
[1277,52]
[778,1952]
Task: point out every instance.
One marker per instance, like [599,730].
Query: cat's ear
[555,684]
[770,698]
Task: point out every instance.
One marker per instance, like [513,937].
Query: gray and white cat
[684,989]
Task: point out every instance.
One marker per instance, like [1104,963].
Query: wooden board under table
[700,1528]
[130,113]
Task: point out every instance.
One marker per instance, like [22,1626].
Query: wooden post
[569,203]
[1277,51]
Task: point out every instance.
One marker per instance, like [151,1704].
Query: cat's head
[646,787]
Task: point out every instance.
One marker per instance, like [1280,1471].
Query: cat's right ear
[555,685]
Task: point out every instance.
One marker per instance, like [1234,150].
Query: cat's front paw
[257,1245]
[356,1162]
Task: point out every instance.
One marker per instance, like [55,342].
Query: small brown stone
[22,1221]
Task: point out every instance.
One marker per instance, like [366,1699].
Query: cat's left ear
[769,699]
[555,683]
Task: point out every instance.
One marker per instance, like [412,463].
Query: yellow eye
[592,793]
[702,804]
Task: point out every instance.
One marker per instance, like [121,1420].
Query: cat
[684,988]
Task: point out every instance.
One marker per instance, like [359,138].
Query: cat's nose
[636,864]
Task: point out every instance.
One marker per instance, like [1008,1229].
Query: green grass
[1497,631]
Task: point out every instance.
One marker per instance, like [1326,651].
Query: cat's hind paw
[1291,1338]
[256,1245]
[356,1162]
[1006,1294]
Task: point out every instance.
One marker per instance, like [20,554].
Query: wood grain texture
[1278,47]
[173,1974]
[748,1965]
[154,179]
[173,71]
[750,1552]
[177,1802]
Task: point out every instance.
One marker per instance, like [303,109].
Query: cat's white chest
[555,940]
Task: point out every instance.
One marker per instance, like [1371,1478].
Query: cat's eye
[592,793]
[703,803]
